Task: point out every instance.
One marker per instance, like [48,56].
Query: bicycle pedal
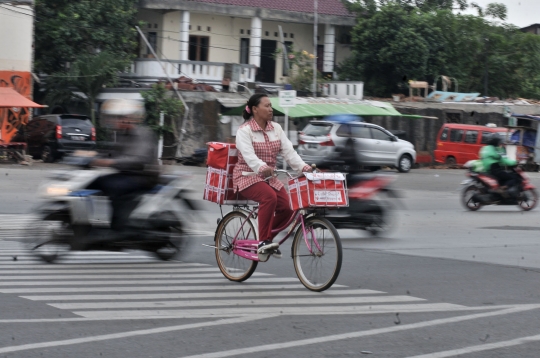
[263,257]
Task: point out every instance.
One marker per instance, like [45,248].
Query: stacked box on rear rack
[318,190]
[222,157]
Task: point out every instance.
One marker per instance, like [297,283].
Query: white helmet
[114,111]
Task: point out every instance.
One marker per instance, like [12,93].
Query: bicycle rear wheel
[317,257]
[232,266]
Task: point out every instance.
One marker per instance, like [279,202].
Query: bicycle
[315,240]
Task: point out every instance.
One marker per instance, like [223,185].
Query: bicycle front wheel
[317,255]
[232,266]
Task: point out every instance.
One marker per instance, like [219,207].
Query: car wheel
[405,163]
[47,154]
[450,161]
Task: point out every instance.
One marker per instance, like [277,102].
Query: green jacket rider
[494,153]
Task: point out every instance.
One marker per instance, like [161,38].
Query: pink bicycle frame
[248,248]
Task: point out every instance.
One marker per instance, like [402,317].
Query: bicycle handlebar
[276,172]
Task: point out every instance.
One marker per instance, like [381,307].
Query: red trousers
[270,202]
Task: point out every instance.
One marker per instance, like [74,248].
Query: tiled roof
[327,7]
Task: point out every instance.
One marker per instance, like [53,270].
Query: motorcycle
[366,210]
[483,189]
[73,218]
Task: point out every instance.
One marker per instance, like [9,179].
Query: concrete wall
[16,37]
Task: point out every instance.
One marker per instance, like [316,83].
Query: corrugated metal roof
[327,7]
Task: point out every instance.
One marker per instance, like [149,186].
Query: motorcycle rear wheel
[466,198]
[530,199]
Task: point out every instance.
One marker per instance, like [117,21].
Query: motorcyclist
[133,154]
[494,160]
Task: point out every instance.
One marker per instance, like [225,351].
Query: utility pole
[486,75]
[315,27]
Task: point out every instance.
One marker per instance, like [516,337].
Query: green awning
[322,107]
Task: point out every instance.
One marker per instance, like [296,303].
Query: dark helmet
[494,140]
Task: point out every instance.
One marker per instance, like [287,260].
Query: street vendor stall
[13,114]
[523,142]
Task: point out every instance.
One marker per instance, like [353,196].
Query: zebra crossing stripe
[314,300]
[277,291]
[273,310]
[218,285]
[113,284]
[117,277]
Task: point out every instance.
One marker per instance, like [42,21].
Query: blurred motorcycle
[483,189]
[75,218]
[367,210]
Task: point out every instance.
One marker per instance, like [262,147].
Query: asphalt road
[444,283]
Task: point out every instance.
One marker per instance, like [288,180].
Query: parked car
[329,143]
[49,137]
[459,143]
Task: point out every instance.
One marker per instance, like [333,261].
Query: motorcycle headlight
[56,191]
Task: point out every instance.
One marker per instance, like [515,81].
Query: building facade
[197,38]
[16,39]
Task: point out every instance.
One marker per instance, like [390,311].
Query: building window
[249,32]
[242,31]
[198,28]
[208,28]
[267,33]
[292,36]
[275,34]
[149,26]
[152,40]
[285,34]
[190,27]
[155,26]
[244,51]
[198,48]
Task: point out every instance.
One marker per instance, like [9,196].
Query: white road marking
[142,332]
[481,347]
[116,277]
[144,282]
[238,302]
[300,310]
[218,285]
[162,265]
[277,291]
[337,337]
[113,270]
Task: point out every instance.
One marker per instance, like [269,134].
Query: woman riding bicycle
[259,141]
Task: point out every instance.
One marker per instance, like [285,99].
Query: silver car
[364,144]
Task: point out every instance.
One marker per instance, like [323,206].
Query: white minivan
[327,143]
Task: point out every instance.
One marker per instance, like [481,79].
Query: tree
[158,100]
[396,43]
[89,74]
[67,29]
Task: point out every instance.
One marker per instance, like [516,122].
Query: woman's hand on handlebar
[267,172]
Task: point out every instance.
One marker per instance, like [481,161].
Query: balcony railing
[198,70]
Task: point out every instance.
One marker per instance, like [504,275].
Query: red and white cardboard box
[222,155]
[318,190]
[219,188]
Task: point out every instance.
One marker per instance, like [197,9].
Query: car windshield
[76,122]
[317,129]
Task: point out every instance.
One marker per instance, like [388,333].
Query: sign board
[287,98]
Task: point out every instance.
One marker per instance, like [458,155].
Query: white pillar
[329,48]
[255,42]
[184,36]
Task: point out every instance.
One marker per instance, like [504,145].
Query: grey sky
[521,13]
